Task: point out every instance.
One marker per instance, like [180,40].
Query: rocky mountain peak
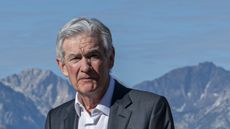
[45,88]
[18,111]
[195,92]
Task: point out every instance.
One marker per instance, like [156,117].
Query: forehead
[82,41]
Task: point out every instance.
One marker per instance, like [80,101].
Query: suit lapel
[119,112]
[71,119]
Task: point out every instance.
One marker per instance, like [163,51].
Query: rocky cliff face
[28,96]
[18,111]
[44,88]
[199,95]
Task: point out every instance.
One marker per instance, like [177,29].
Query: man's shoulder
[148,99]
[141,97]
[144,93]
[63,108]
[138,95]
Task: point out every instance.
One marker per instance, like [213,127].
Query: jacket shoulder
[56,116]
[146,97]
[154,107]
[137,96]
[62,109]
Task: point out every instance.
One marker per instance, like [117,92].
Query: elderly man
[85,54]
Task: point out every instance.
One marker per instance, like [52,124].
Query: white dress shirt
[99,117]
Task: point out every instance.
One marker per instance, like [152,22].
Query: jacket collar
[70,118]
[119,111]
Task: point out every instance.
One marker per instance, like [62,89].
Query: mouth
[86,79]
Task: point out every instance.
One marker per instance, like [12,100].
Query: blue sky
[151,37]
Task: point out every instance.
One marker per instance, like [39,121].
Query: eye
[75,59]
[95,56]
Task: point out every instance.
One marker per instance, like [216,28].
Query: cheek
[72,70]
[102,68]
[98,66]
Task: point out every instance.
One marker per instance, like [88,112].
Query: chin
[87,88]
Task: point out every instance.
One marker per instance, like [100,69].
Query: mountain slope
[199,95]
[44,88]
[19,112]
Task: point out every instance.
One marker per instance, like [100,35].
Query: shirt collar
[105,103]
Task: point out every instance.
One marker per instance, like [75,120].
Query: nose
[85,65]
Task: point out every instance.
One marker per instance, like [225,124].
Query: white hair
[84,25]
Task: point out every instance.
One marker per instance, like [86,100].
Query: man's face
[86,64]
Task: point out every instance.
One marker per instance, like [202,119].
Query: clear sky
[151,37]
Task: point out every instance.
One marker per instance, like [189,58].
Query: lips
[86,78]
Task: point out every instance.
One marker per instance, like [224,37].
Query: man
[85,55]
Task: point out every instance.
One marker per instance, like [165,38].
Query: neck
[92,100]
[89,102]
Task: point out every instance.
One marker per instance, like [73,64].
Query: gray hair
[84,25]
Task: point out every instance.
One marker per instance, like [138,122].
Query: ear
[111,59]
[62,67]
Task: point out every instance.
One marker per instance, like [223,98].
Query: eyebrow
[93,50]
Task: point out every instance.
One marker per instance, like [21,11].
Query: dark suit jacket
[131,109]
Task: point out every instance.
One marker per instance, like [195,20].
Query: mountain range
[16,110]
[199,96]
[31,91]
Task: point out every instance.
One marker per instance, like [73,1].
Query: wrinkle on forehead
[83,43]
[88,43]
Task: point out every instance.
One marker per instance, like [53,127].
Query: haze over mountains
[199,96]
